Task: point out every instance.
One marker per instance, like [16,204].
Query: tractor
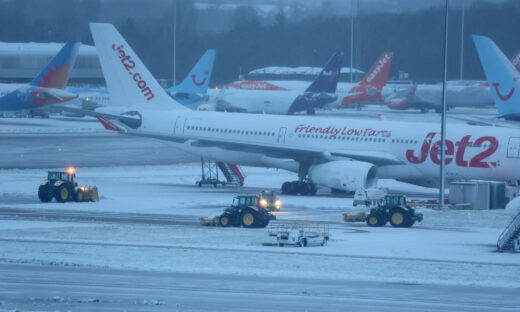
[393,210]
[247,212]
[62,186]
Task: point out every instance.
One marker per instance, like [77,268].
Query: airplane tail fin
[198,79]
[501,75]
[377,76]
[516,60]
[327,80]
[56,74]
[128,80]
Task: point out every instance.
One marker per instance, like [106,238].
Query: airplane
[459,93]
[502,76]
[193,89]
[47,88]
[318,94]
[341,153]
[370,89]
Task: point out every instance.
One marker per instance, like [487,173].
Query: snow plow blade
[358,217]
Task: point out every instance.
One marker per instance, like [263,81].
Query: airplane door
[513,148]
[178,129]
[281,135]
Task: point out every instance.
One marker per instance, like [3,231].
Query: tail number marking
[129,65]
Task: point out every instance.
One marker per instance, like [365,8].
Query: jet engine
[347,175]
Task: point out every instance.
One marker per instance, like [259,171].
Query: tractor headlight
[277,204]
[263,202]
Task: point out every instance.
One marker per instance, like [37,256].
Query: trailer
[300,234]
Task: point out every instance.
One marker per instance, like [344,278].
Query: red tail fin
[378,74]
[516,60]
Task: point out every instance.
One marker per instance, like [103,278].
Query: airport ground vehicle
[63,187]
[394,210]
[245,211]
[368,197]
[269,201]
[300,234]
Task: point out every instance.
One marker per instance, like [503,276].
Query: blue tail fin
[197,80]
[56,74]
[502,76]
[327,80]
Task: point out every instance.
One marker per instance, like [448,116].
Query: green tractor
[394,210]
[247,212]
[63,187]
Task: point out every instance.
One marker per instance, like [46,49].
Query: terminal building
[21,62]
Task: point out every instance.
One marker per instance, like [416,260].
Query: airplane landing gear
[297,187]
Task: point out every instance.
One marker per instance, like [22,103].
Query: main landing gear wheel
[400,218]
[296,187]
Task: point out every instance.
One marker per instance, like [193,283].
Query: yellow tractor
[62,186]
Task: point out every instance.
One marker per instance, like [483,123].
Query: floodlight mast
[443,110]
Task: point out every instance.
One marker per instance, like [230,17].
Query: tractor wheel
[399,217]
[80,196]
[249,218]
[376,219]
[225,220]
[45,193]
[62,193]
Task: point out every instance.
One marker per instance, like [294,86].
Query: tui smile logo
[195,82]
[500,96]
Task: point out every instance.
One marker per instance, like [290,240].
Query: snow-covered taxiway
[141,248]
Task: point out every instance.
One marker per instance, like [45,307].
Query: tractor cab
[243,201]
[395,200]
[67,176]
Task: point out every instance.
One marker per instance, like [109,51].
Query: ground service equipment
[63,187]
[396,211]
[245,211]
[268,200]
[300,234]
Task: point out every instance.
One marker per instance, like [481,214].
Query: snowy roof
[303,70]
[40,48]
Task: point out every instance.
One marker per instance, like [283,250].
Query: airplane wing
[130,119]
[493,122]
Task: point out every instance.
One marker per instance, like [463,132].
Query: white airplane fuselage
[473,152]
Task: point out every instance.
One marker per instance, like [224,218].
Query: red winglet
[108,124]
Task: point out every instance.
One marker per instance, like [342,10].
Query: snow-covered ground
[448,247]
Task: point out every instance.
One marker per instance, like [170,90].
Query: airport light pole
[174,42]
[443,114]
[351,40]
[462,40]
